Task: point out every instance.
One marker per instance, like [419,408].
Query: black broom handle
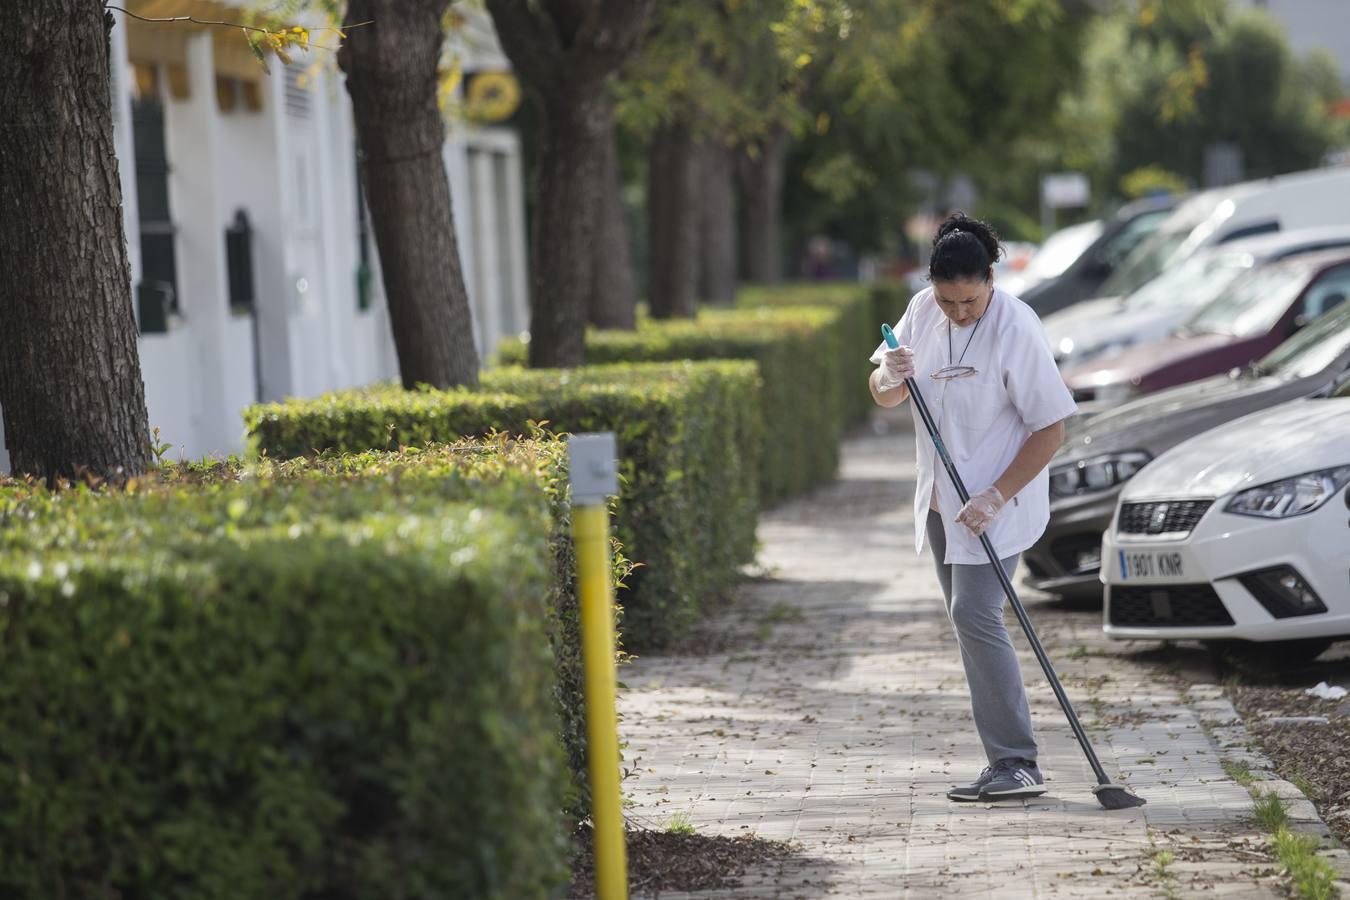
[1008,589]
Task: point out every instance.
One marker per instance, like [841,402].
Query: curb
[1225,727]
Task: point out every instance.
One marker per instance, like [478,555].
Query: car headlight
[1292,496]
[1098,474]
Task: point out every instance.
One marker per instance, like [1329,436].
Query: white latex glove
[980,511]
[896,366]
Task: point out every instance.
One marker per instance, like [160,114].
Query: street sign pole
[594,479]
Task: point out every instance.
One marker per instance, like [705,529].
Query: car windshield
[1060,250]
[1144,264]
[1312,349]
[1118,248]
[1253,304]
[1193,282]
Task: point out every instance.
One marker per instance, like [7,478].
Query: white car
[1053,257]
[1241,533]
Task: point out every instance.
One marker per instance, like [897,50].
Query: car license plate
[1150,565]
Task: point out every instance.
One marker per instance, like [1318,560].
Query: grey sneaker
[1013,779]
[971,792]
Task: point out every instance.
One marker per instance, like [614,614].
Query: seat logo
[1158,520]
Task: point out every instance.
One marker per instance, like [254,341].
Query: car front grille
[1167,606]
[1161,517]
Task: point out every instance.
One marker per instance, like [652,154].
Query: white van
[1300,200]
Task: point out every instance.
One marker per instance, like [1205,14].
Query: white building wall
[247,181]
[373,357]
[295,177]
[196,147]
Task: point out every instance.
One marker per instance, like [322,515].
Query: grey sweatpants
[975,606]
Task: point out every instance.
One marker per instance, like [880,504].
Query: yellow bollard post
[591,463]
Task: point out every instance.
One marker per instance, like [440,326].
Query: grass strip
[1309,876]
[1167,879]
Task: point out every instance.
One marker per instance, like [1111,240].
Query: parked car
[1017,255]
[1239,534]
[1252,317]
[1084,274]
[1054,256]
[1300,200]
[1103,453]
[1099,327]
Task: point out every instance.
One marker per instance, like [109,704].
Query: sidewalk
[837,717]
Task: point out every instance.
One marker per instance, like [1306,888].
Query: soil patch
[670,861]
[1316,757]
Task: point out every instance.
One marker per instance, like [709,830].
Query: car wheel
[1270,656]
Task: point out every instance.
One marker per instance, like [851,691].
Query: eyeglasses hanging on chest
[954,369]
[949,373]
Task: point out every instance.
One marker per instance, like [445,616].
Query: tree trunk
[717,228]
[614,299]
[70,373]
[566,52]
[673,218]
[761,180]
[391,77]
[571,177]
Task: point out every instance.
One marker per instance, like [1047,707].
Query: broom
[1110,796]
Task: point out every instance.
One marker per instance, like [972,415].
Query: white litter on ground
[1327,692]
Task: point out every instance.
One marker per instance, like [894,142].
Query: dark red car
[1249,320]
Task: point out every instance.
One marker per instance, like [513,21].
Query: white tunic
[984,419]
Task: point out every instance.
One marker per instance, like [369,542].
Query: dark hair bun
[964,248]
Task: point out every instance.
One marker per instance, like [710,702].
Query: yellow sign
[492,96]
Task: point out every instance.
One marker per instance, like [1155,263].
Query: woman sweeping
[991,385]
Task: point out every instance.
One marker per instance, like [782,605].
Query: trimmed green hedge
[795,351]
[688,438]
[244,685]
[864,307]
[811,344]
[459,471]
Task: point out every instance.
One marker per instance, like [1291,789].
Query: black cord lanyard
[969,339]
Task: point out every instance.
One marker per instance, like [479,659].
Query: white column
[519,292]
[487,299]
[193,136]
[272,284]
[337,257]
[455,155]
[120,69]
